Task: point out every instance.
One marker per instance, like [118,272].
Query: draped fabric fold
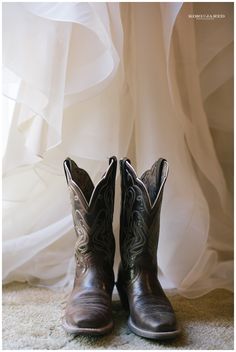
[142,80]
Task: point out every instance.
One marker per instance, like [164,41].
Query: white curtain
[143,80]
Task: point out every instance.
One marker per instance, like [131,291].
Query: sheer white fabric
[143,80]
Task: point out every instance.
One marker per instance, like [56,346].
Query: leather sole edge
[87,331]
[153,335]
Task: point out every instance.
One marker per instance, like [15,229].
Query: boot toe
[152,318]
[157,322]
[87,320]
[88,311]
[162,322]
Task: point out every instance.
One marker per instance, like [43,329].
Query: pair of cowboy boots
[89,308]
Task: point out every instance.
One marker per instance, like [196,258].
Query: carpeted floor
[31,319]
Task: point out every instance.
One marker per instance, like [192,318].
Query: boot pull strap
[66,170]
[158,173]
[154,178]
[78,176]
[112,159]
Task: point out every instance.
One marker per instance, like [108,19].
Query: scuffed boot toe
[88,314]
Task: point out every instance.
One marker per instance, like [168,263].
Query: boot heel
[123,297]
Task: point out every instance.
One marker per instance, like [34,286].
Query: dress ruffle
[142,80]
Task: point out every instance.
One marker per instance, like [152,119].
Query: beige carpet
[31,319]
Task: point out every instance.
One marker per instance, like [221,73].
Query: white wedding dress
[143,80]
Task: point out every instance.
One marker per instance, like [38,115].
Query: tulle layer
[143,80]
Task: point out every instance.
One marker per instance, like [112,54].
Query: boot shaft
[140,216]
[92,211]
[89,309]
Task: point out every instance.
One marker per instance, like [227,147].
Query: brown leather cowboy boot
[151,314]
[88,310]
